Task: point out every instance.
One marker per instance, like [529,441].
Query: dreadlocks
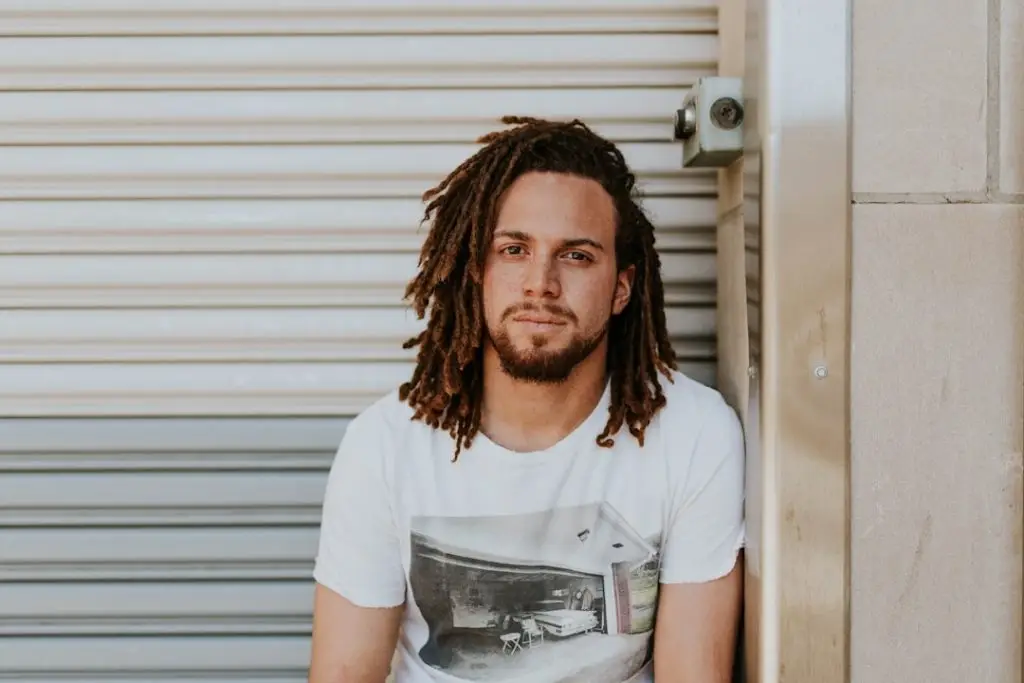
[446,386]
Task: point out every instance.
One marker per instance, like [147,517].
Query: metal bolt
[726,113]
[821,372]
[685,122]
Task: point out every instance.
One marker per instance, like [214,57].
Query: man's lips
[538,320]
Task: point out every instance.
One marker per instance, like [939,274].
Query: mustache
[550,309]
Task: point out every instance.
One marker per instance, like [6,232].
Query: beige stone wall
[938,340]
[937,334]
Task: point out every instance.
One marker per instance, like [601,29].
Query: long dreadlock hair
[446,386]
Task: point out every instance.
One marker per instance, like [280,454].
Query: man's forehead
[538,185]
[555,208]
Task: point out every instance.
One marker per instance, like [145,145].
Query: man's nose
[541,279]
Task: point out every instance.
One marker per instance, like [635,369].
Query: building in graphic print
[557,580]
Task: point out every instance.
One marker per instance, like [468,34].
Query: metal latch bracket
[710,122]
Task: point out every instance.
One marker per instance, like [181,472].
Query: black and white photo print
[562,596]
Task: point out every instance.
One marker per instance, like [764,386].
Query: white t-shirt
[535,567]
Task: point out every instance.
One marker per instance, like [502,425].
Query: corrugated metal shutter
[208,212]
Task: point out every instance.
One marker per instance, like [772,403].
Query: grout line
[992,118]
[925,199]
[1007,198]
[920,197]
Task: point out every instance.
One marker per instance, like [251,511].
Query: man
[536,504]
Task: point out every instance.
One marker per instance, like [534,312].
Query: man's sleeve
[359,555]
[706,524]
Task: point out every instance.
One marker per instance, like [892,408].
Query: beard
[541,366]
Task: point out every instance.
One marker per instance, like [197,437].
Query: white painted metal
[197,17]
[417,60]
[379,224]
[208,213]
[282,171]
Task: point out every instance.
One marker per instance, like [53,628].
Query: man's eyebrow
[513,234]
[575,242]
[583,242]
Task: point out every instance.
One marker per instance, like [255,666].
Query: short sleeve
[359,554]
[706,528]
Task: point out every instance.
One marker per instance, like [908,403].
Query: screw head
[821,372]
[726,113]
[685,123]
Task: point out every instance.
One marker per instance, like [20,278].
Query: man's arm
[360,578]
[351,644]
[701,593]
[695,639]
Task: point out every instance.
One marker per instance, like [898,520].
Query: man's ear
[623,289]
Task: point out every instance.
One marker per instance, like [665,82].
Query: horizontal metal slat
[161,553]
[171,437]
[135,627]
[163,17]
[182,389]
[280,171]
[139,608]
[195,516]
[163,498]
[133,335]
[297,676]
[103,63]
[113,463]
[258,656]
[174,335]
[196,389]
[276,225]
[202,280]
[324,116]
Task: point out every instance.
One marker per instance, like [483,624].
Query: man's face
[550,278]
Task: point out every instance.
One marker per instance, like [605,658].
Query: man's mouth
[538,320]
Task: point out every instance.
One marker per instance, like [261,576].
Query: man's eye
[513,250]
[578,256]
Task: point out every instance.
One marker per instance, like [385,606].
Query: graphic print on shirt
[561,596]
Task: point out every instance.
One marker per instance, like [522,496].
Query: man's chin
[544,358]
[533,356]
[540,346]
[537,370]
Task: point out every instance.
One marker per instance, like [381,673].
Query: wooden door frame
[784,328]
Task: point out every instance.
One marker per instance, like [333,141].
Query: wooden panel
[797,184]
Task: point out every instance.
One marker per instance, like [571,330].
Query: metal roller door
[208,212]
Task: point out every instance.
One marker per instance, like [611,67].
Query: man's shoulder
[387,415]
[381,431]
[696,417]
[700,432]
[690,403]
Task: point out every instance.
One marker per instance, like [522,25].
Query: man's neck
[528,416]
